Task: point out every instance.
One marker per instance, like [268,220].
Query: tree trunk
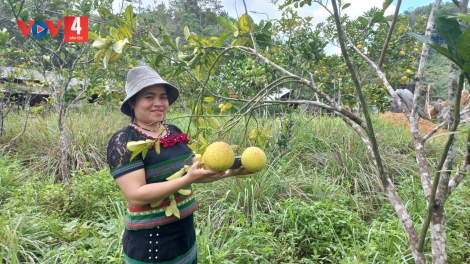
[414,115]
[438,236]
[406,222]
[1,120]
[438,232]
[63,162]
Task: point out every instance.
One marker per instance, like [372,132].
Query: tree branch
[370,129]
[460,175]
[251,28]
[312,86]
[389,35]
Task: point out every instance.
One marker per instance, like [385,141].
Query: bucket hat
[142,77]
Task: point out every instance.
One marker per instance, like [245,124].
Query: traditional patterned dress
[150,236]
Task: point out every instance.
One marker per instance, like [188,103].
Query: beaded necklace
[160,128]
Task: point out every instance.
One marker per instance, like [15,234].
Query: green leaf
[126,31]
[226,23]
[186,32]
[177,174]
[100,43]
[168,41]
[157,146]
[213,122]
[441,50]
[449,29]
[463,17]
[202,139]
[98,54]
[106,56]
[466,68]
[377,18]
[345,6]
[201,122]
[92,35]
[176,211]
[216,42]
[177,41]
[209,99]
[114,56]
[156,203]
[134,154]
[119,45]
[194,60]
[386,4]
[224,36]
[114,33]
[70,225]
[172,209]
[184,192]
[244,24]
[169,210]
[138,145]
[154,42]
[144,152]
[149,48]
[463,45]
[129,14]
[240,41]
[363,21]
[263,40]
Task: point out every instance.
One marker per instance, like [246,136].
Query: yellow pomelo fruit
[402,53]
[218,156]
[253,159]
[359,46]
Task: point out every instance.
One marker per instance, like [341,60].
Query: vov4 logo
[75,28]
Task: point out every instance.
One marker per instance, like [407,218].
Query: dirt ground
[400,119]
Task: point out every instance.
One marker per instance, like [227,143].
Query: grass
[317,201]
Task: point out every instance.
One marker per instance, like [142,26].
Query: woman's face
[151,104]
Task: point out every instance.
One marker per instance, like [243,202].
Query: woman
[150,235]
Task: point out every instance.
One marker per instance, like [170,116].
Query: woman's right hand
[200,175]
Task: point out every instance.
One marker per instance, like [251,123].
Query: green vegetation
[327,194]
[320,202]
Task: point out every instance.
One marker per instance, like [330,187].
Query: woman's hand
[236,172]
[201,175]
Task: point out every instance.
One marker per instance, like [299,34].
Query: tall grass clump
[43,223]
[88,132]
[12,175]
